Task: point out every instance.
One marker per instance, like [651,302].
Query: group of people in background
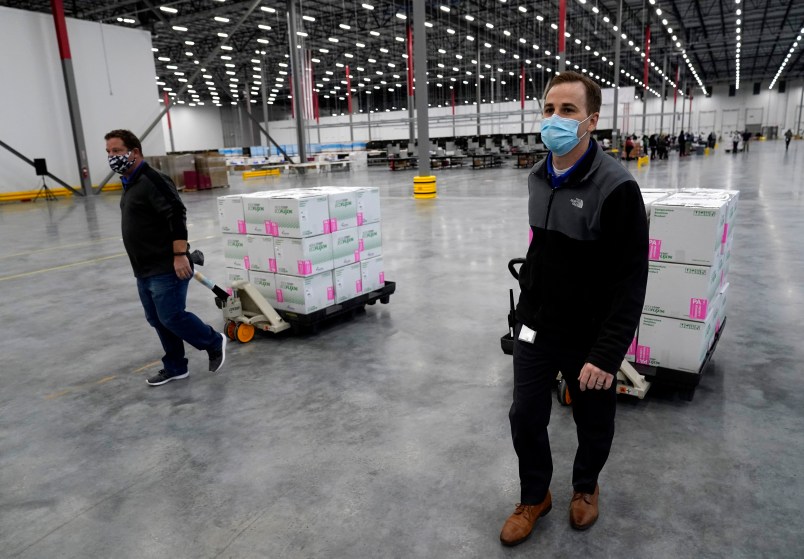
[660,144]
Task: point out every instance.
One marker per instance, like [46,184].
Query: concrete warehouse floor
[385,436]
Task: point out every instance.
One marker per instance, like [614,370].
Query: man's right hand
[182,266]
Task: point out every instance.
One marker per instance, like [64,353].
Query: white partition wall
[115,78]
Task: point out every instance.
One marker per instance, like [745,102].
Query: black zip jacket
[153,217]
[583,281]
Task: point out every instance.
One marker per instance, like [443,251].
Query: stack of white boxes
[691,234]
[304,249]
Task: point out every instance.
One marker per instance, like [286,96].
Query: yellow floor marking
[98,382]
[74,245]
[82,262]
[62,267]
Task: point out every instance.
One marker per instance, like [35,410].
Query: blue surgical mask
[560,135]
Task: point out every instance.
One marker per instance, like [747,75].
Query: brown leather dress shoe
[520,524]
[583,509]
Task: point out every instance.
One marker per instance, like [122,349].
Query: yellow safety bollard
[706,151]
[424,187]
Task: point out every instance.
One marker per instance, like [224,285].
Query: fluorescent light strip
[787,57]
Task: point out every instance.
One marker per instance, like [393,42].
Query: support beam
[664,93]
[298,93]
[264,93]
[420,68]
[562,40]
[31,163]
[478,88]
[411,101]
[615,129]
[57,7]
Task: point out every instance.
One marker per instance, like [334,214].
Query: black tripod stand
[40,165]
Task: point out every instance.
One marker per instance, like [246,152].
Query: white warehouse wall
[34,117]
[194,128]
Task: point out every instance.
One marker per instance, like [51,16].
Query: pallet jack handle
[206,282]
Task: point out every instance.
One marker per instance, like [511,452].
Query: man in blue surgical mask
[583,285]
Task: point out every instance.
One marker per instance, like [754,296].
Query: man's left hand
[594,378]
[182,266]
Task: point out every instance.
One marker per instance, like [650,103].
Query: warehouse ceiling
[714,44]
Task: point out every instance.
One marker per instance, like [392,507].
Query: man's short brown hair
[129,139]
[593,96]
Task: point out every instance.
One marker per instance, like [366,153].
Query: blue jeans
[164,298]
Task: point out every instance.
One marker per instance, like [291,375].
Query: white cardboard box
[342,207]
[234,251]
[297,214]
[255,213]
[687,230]
[722,311]
[230,214]
[233,275]
[650,196]
[673,343]
[260,253]
[681,290]
[373,274]
[303,257]
[304,295]
[368,205]
[345,247]
[348,282]
[370,240]
[265,283]
[732,196]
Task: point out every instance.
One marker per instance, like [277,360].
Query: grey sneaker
[163,377]
[217,356]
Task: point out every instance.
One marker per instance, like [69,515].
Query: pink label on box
[360,245]
[643,354]
[280,298]
[359,286]
[268,228]
[307,267]
[698,309]
[654,249]
[725,233]
[229,291]
[241,226]
[330,293]
[247,262]
[327,226]
[272,264]
[357,256]
[333,225]
[274,229]
[382,278]
[632,347]
[360,218]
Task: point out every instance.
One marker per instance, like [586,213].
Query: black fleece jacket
[153,217]
[584,278]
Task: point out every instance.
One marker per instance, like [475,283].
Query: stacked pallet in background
[691,234]
[211,171]
[304,249]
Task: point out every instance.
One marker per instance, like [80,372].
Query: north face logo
[577,202]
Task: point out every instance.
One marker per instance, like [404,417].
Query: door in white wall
[730,119]
[706,121]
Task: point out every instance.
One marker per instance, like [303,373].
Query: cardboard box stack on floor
[305,249]
[691,235]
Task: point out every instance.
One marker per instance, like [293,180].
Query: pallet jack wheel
[244,332]
[229,329]
[563,393]
[385,300]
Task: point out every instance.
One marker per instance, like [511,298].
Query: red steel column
[562,43]
[57,6]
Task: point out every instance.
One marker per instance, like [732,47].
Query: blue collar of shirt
[558,181]
[127,181]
